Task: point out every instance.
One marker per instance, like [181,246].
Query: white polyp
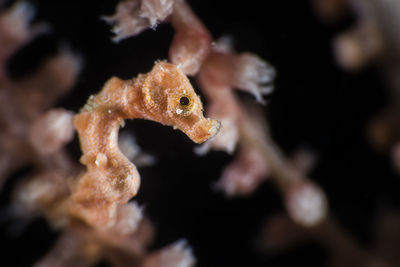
[254,75]
[129,218]
[49,132]
[178,254]
[306,204]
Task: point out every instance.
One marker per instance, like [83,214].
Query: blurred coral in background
[301,165]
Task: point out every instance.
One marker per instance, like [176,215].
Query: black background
[315,104]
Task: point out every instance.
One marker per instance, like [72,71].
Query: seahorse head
[170,99]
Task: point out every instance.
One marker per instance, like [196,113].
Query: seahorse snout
[203,130]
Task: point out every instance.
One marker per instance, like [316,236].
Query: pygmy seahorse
[164,95]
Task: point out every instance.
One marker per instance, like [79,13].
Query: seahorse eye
[184,101]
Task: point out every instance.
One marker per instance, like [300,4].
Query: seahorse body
[164,95]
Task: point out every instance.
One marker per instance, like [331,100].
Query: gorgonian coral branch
[23,101]
[220,70]
[280,232]
[374,39]
[191,42]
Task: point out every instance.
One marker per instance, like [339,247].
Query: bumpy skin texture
[164,95]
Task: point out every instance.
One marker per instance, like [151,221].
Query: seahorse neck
[99,123]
